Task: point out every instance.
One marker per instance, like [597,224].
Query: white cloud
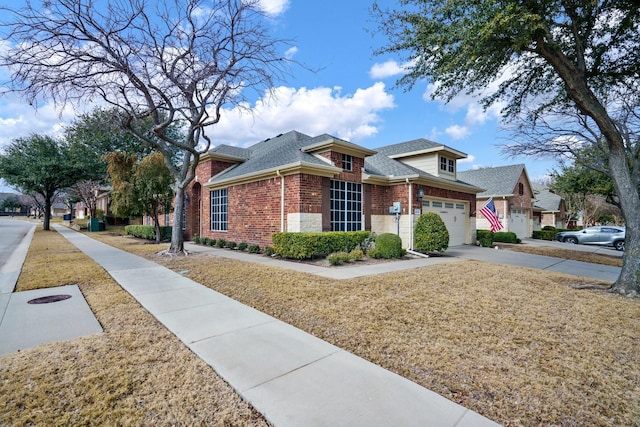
[273,7]
[475,113]
[470,159]
[290,53]
[457,132]
[18,119]
[388,69]
[311,111]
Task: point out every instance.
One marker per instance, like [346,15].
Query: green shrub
[269,251]
[387,246]
[430,234]
[368,243]
[221,243]
[242,246]
[196,240]
[307,245]
[212,242]
[148,232]
[505,237]
[230,245]
[356,254]
[253,249]
[549,228]
[338,258]
[545,234]
[485,237]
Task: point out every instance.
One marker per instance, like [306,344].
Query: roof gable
[417,147]
[286,151]
[497,181]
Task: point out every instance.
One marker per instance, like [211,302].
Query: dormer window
[447,165]
[347,162]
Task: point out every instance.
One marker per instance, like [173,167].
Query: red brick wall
[383,197]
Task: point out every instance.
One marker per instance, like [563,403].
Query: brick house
[295,182]
[549,209]
[512,194]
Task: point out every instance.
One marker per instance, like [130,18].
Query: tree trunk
[156,222]
[47,213]
[177,239]
[628,282]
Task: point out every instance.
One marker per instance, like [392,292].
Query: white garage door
[518,223]
[455,216]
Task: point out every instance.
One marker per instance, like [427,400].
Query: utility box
[396,208]
[96,225]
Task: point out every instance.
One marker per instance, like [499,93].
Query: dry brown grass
[135,373]
[519,346]
[593,258]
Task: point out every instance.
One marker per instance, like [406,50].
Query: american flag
[489,211]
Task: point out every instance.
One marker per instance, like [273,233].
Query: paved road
[14,234]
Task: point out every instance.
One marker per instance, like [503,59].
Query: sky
[344,90]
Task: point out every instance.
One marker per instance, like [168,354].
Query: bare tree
[169,61]
[87,191]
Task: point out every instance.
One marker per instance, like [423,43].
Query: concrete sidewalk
[291,377]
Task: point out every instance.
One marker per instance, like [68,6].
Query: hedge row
[222,243]
[148,232]
[306,245]
[548,232]
[486,238]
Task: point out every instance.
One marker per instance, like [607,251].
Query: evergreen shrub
[430,234]
[387,246]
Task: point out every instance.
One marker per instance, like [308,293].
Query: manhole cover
[48,299]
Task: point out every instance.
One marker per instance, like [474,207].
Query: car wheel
[619,245]
[571,240]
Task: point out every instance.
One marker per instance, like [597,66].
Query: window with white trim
[447,164]
[347,162]
[219,210]
[346,206]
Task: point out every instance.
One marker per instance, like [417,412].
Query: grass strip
[135,373]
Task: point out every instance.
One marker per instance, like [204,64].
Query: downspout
[410,245]
[281,201]
[506,213]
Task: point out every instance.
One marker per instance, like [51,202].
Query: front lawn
[517,345]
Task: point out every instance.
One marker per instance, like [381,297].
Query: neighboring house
[80,210]
[549,209]
[512,194]
[103,207]
[295,182]
[59,209]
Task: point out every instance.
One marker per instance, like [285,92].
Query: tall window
[219,208]
[346,206]
[520,188]
[347,162]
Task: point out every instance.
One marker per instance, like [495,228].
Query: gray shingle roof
[498,181]
[383,165]
[546,200]
[271,153]
[231,151]
[408,147]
